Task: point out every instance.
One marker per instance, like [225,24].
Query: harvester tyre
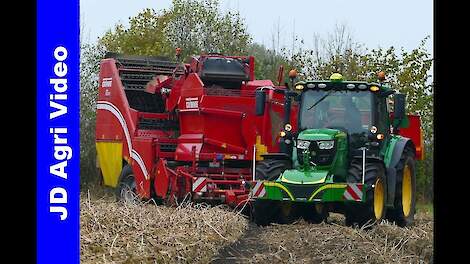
[126,189]
[373,210]
[405,194]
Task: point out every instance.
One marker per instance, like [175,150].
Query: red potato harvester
[169,131]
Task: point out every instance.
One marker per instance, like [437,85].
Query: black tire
[313,213]
[362,213]
[288,212]
[267,211]
[126,189]
[264,211]
[269,170]
[397,214]
[100,177]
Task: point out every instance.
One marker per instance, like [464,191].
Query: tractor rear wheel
[126,189]
[373,210]
[405,194]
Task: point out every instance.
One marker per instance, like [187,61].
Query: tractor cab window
[346,110]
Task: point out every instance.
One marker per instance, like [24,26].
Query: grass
[425,207]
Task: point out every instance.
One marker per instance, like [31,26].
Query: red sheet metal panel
[415,133]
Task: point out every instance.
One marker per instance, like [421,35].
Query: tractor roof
[343,85]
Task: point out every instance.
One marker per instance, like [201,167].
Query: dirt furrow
[332,242]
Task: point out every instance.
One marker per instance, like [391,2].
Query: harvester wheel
[126,190]
[373,210]
[270,170]
[405,195]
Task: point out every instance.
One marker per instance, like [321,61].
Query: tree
[194,26]
[267,62]
[145,35]
[91,54]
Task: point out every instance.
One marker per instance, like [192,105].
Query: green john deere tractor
[346,156]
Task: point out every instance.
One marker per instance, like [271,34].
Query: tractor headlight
[327,144]
[288,127]
[303,144]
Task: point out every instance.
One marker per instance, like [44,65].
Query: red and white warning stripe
[353,192]
[200,184]
[258,190]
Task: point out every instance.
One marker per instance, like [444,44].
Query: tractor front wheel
[267,211]
[373,210]
[264,211]
[314,213]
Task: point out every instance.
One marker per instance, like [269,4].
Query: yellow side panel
[260,148]
[110,160]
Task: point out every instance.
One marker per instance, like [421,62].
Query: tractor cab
[338,114]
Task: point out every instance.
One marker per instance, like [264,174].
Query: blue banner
[58,149]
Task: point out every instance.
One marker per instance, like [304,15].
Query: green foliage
[267,63]
[145,35]
[89,69]
[194,26]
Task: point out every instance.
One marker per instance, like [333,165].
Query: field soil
[143,232]
[332,242]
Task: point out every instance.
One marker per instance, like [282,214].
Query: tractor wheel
[269,170]
[126,190]
[264,211]
[288,212]
[405,195]
[373,210]
[314,213]
[267,211]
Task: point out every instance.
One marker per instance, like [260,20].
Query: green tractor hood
[319,134]
[307,173]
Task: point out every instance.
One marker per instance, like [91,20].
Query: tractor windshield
[346,110]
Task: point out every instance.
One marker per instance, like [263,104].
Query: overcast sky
[396,23]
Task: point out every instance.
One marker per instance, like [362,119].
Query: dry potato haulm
[62,151]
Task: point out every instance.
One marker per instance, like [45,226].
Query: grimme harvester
[349,154]
[170,130]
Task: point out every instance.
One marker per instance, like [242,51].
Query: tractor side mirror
[399,106]
[398,111]
[260,97]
